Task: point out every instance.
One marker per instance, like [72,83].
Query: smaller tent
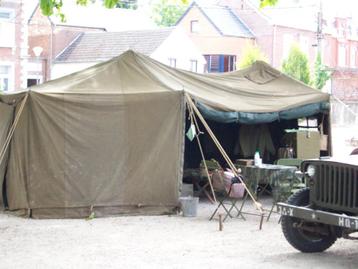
[110,139]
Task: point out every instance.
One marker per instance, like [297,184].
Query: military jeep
[314,217]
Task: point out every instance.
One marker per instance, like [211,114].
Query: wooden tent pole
[193,119]
[222,151]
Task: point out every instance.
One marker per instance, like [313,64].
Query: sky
[331,8]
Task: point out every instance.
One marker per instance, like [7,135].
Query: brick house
[275,30]
[170,46]
[219,34]
[13,45]
[53,36]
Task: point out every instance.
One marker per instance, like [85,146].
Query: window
[32,82]
[5,78]
[193,65]
[220,63]
[173,62]
[7,28]
[342,55]
[194,26]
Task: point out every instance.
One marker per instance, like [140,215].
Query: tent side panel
[113,153]
[6,112]
[17,171]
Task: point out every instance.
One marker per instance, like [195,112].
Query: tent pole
[193,119]
[222,151]
[12,129]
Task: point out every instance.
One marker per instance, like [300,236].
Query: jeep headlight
[311,170]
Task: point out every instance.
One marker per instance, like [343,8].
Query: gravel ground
[159,242]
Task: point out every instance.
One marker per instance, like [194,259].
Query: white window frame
[8,22]
[172,62]
[10,76]
[194,26]
[38,78]
[193,65]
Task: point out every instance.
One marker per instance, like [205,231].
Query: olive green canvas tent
[110,139]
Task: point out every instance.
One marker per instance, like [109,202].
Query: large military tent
[110,139]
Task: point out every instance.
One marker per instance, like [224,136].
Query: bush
[296,65]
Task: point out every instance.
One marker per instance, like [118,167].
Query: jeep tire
[301,239]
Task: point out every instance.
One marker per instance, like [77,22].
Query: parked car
[314,217]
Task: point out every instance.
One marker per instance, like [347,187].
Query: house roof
[94,47]
[223,18]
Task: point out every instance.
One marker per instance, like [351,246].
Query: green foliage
[321,75]
[167,12]
[296,65]
[264,3]
[250,55]
[51,7]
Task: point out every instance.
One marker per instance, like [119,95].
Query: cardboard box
[246,162]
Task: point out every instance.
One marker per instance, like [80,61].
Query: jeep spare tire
[304,235]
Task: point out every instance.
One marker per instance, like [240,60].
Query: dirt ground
[159,242]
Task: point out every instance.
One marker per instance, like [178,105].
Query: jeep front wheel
[304,235]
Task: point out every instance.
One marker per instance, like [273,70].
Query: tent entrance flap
[255,118]
[222,151]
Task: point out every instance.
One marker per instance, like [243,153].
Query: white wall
[63,69]
[177,46]
[180,47]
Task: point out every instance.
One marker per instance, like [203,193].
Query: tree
[321,75]
[296,65]
[167,12]
[51,7]
[250,55]
[264,3]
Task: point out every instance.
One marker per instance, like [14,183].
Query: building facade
[220,35]
[13,46]
[274,30]
[170,46]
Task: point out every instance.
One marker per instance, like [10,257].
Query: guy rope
[222,151]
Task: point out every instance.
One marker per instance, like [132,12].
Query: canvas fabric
[6,112]
[110,139]
[80,151]
[258,89]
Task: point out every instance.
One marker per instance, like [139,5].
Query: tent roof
[259,88]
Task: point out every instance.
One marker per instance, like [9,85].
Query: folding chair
[227,195]
[202,185]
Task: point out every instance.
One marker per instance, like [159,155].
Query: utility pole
[319,34]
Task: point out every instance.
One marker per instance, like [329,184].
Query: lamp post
[37,51]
